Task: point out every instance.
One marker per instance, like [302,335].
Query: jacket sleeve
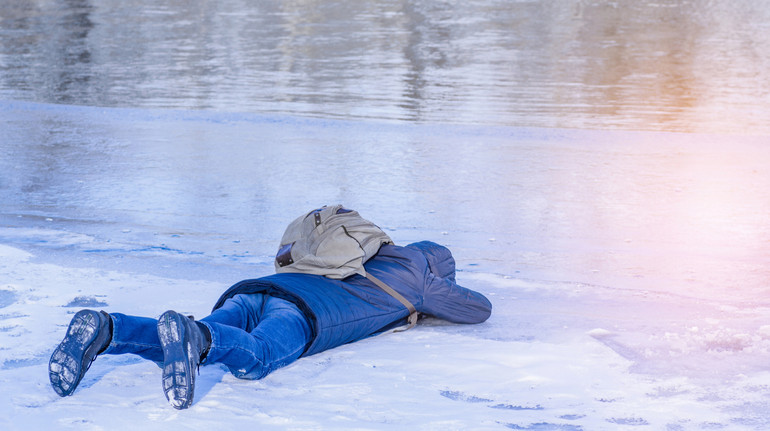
[439,258]
[447,300]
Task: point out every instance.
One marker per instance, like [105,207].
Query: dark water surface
[691,66]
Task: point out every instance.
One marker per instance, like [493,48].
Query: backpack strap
[390,291]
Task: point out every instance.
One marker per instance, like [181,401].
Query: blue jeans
[252,335]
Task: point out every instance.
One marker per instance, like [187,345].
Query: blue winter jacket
[343,311]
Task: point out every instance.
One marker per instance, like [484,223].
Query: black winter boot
[88,334]
[184,345]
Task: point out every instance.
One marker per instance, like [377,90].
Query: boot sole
[178,370]
[74,355]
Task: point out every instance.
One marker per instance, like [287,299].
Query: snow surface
[627,270]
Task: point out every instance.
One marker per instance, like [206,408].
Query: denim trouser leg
[138,335]
[251,334]
[256,334]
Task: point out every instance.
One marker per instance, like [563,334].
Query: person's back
[343,311]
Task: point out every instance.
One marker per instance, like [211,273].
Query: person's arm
[445,299]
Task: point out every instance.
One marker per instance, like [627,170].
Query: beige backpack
[335,242]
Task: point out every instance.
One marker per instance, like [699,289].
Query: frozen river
[678,213]
[600,170]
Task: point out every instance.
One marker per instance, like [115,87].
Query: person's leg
[137,335]
[92,333]
[256,334]
[242,311]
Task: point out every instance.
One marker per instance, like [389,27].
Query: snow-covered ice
[533,365]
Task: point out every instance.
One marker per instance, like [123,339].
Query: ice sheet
[627,270]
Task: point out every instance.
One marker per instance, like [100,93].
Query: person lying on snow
[260,325]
